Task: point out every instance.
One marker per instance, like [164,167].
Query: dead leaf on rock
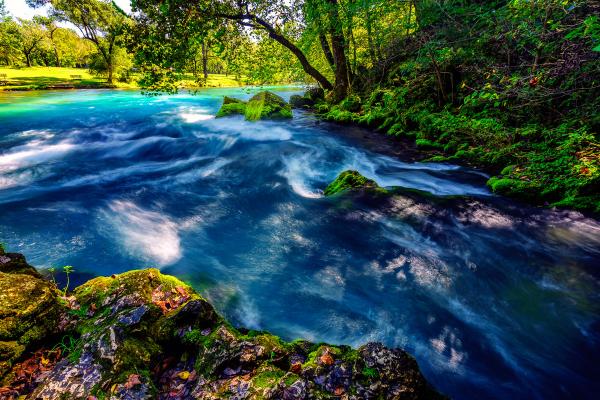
[169,300]
[327,359]
[132,381]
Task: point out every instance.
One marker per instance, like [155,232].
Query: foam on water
[149,234]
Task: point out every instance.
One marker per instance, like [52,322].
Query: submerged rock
[145,335]
[351,180]
[263,105]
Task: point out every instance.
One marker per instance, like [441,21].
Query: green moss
[30,311]
[290,378]
[512,187]
[231,109]
[267,105]
[370,373]
[267,377]
[349,180]
[428,144]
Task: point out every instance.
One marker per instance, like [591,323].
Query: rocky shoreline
[145,335]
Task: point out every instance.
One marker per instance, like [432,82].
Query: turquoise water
[494,299]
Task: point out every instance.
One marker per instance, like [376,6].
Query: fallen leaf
[327,359]
[184,375]
[296,368]
[132,381]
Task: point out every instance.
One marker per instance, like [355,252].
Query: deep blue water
[494,299]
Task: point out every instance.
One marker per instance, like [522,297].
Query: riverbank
[142,335]
[563,172]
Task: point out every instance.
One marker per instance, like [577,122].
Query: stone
[133,346]
[30,308]
[230,107]
[351,180]
[267,105]
[297,101]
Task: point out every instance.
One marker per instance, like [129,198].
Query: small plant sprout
[67,269]
[52,272]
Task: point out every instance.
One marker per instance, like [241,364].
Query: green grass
[47,77]
[32,78]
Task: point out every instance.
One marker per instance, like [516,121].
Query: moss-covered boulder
[267,105]
[231,106]
[351,180]
[263,105]
[30,309]
[145,335]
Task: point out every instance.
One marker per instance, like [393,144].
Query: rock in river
[263,105]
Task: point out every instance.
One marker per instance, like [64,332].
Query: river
[495,299]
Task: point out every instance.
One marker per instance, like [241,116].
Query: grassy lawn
[73,78]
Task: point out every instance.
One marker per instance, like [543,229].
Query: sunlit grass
[58,77]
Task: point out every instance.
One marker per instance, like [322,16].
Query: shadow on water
[494,298]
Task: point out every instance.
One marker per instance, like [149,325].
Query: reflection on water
[494,299]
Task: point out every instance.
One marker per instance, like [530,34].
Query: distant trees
[30,36]
[99,21]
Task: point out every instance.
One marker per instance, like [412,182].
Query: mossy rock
[264,105]
[315,94]
[143,335]
[350,180]
[297,101]
[267,105]
[30,308]
[231,106]
[513,187]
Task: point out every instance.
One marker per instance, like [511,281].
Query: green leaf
[597,48]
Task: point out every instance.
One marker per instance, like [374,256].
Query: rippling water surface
[495,300]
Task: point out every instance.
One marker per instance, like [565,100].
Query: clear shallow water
[494,299]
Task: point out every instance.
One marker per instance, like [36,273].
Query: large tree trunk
[28,59]
[338,45]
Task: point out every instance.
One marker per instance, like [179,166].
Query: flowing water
[494,299]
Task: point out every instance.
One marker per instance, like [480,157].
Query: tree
[31,35]
[51,28]
[10,46]
[99,21]
[176,21]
